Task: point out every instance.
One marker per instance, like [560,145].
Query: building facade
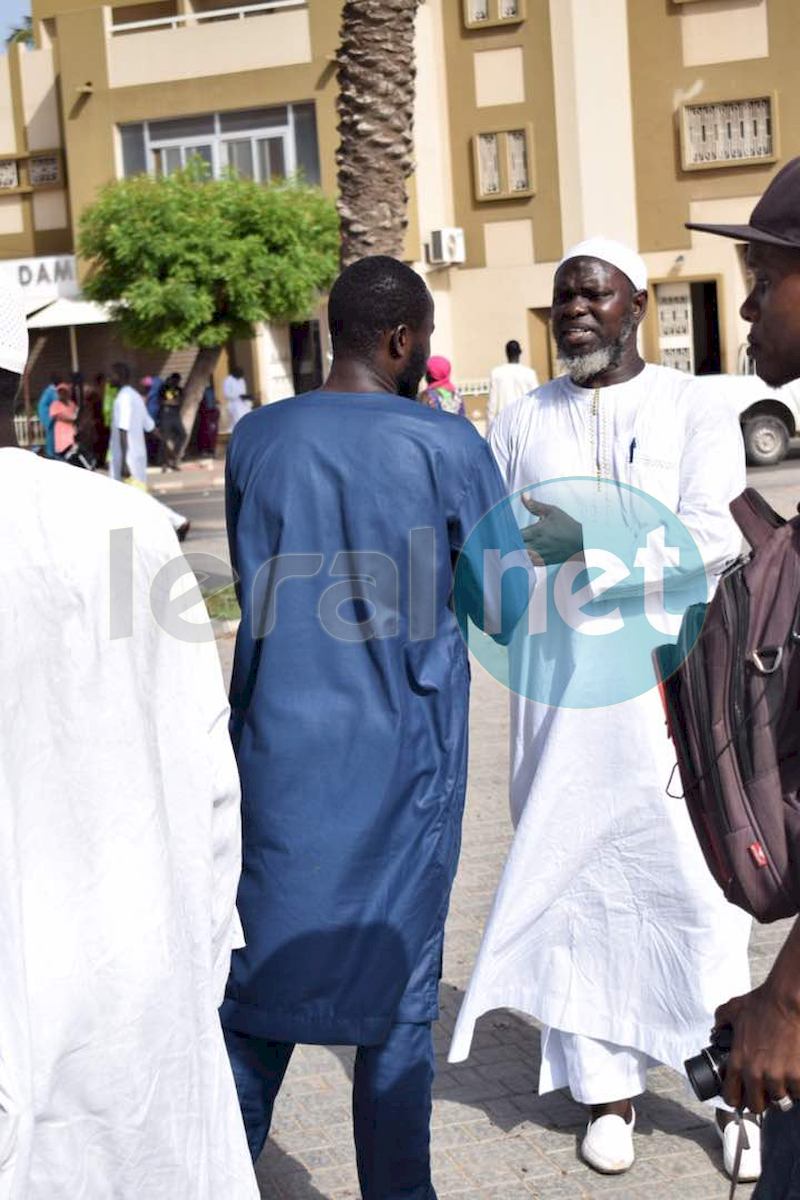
[538,123]
[637,116]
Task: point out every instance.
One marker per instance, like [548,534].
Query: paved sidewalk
[492,1135]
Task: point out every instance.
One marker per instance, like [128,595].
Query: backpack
[731,690]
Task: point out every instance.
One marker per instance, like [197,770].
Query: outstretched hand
[555,537]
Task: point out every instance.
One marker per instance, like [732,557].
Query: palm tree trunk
[376,123]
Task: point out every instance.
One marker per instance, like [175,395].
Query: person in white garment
[607,926]
[237,400]
[119,848]
[509,383]
[130,421]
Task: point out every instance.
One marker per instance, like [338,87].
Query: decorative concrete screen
[478,13]
[728,133]
[503,164]
[9,175]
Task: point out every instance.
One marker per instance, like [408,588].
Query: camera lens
[706,1071]
[704,1075]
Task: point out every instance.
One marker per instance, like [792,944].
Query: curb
[225,629]
[188,485]
[208,476]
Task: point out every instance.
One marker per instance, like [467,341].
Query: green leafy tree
[185,260]
[21,34]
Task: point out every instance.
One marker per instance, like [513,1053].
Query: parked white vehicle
[769,417]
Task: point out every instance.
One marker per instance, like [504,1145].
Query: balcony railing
[474,387]
[28,429]
[202,18]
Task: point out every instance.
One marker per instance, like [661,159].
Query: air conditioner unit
[447,246]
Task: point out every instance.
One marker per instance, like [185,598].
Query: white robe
[507,384]
[130,413]
[119,862]
[607,922]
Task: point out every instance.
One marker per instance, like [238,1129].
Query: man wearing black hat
[763,1071]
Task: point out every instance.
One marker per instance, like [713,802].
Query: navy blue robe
[349,700]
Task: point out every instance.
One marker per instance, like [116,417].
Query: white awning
[34,304]
[64,311]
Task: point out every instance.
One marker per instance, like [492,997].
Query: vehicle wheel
[766,441]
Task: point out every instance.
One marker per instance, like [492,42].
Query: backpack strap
[755,518]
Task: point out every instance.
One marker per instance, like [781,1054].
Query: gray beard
[583,367]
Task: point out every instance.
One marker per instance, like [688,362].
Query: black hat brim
[746,233]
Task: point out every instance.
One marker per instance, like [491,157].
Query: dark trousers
[391,1106]
[173,435]
[780,1156]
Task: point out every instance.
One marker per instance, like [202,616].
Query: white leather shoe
[608,1145]
[750,1165]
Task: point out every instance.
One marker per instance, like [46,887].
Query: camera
[706,1071]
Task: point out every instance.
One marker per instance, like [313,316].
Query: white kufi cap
[619,255]
[13,327]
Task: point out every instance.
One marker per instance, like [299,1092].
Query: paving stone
[558,1189]
[484,1164]
[492,1135]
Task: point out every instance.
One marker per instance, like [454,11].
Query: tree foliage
[186,260]
[21,35]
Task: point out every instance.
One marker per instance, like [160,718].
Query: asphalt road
[781,484]
[204,506]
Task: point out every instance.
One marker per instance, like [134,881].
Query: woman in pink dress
[441,392]
[63,414]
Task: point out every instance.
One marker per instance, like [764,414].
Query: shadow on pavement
[501,1079]
[278,1175]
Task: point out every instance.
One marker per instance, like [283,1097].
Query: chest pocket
[656,464]
[659,460]
[656,476]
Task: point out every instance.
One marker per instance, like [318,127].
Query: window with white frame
[258,143]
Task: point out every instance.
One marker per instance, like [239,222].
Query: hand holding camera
[754,1056]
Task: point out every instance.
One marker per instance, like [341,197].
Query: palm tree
[376,124]
[21,34]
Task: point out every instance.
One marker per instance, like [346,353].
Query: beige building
[539,122]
